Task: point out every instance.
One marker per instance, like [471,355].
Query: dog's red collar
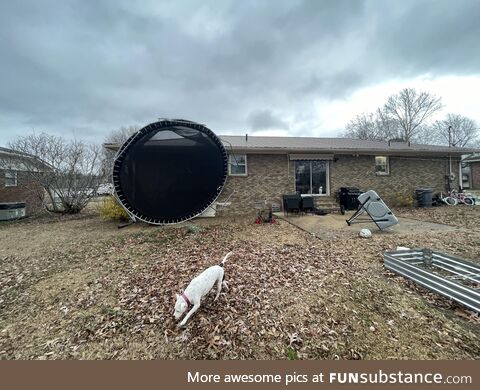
[185,298]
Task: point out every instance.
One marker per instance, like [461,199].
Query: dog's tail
[225,258]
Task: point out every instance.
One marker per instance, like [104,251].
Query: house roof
[473,158]
[7,151]
[11,159]
[257,144]
[339,145]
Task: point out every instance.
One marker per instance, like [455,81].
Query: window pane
[10,178]
[319,177]
[237,169]
[381,164]
[238,159]
[302,177]
[238,164]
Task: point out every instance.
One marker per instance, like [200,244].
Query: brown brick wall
[267,179]
[270,176]
[406,174]
[25,191]
[475,174]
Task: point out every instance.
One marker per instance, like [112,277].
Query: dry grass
[79,288]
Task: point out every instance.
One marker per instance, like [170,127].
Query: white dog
[198,288]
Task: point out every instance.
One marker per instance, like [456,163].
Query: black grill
[348,197]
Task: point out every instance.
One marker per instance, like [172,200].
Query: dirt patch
[93,291]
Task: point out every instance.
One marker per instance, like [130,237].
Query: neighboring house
[15,183]
[472,170]
[265,168]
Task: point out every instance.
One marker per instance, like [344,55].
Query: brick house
[473,163]
[264,168]
[15,183]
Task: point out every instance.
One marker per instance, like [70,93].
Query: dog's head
[180,307]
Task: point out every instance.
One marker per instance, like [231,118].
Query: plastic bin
[424,197]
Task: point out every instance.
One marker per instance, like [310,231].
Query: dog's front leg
[189,314]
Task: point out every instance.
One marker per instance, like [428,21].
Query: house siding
[406,174]
[270,176]
[475,175]
[25,191]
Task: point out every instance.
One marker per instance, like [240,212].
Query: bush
[112,210]
[402,199]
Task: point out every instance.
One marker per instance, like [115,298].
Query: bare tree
[117,137]
[411,110]
[69,171]
[456,130]
[120,135]
[372,126]
[363,126]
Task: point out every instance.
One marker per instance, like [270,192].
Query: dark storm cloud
[265,120]
[92,66]
[429,36]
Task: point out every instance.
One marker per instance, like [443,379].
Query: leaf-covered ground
[79,288]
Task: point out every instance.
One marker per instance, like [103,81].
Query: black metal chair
[308,205]
[292,203]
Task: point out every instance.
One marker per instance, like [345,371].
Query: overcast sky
[305,68]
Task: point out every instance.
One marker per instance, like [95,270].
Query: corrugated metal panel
[447,275]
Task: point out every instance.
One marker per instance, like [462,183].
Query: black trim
[12,206]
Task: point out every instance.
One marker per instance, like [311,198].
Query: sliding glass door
[311,177]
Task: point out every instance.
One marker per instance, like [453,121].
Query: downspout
[288,172]
[460,175]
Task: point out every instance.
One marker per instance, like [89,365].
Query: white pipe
[460,175]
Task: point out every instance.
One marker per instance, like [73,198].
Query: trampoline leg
[122,225]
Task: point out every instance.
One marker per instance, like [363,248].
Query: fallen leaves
[290,295]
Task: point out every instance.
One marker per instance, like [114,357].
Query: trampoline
[169,171]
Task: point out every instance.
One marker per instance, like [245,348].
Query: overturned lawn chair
[376,209]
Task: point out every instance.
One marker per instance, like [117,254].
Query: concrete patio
[335,226]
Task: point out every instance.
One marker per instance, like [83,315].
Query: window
[311,177]
[10,179]
[237,165]
[382,165]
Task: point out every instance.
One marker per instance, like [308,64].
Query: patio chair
[308,205]
[292,203]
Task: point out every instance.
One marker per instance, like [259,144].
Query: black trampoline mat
[170,171]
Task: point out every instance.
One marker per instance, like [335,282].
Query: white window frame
[232,161]
[387,166]
[327,179]
[11,175]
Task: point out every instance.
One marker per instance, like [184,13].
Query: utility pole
[449,180]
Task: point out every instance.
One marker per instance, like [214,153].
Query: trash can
[424,197]
[348,197]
